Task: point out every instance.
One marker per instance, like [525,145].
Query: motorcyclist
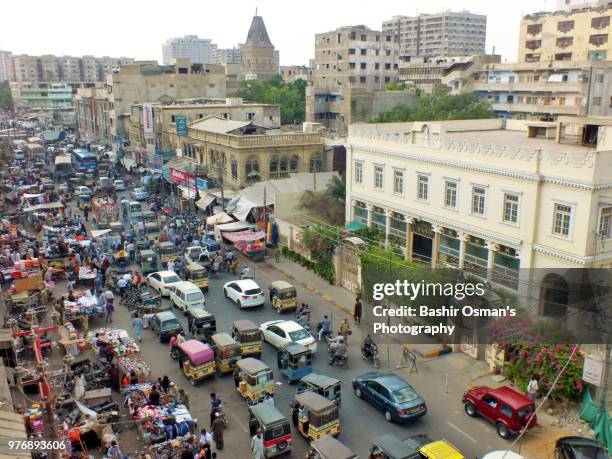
[368,346]
[303,310]
[340,351]
[247,273]
[324,327]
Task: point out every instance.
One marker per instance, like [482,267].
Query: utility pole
[220,174]
[265,222]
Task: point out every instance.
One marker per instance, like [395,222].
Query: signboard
[181,125]
[180,177]
[156,163]
[147,121]
[593,370]
[201,184]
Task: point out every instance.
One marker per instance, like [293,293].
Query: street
[360,422]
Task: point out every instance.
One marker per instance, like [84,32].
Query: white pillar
[351,211]
[409,237]
[370,208]
[463,240]
[388,214]
[435,246]
[493,248]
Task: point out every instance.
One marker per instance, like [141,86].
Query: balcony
[531,87]
[541,108]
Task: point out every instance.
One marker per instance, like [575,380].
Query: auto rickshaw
[248,336]
[315,416]
[116,228]
[148,261]
[283,296]
[198,360]
[294,361]
[328,387]
[201,324]
[253,379]
[227,352]
[167,251]
[197,274]
[85,202]
[274,426]
[329,448]
[212,246]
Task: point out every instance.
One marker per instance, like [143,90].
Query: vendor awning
[188,193]
[244,236]
[46,206]
[243,208]
[230,227]
[206,201]
[98,233]
[32,196]
[219,219]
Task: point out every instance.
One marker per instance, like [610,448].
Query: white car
[139,194]
[245,293]
[82,191]
[119,185]
[281,332]
[160,281]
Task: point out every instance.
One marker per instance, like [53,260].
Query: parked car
[579,448]
[281,332]
[139,194]
[505,454]
[185,295]
[419,446]
[119,185]
[192,254]
[391,394]
[166,325]
[245,293]
[508,409]
[160,281]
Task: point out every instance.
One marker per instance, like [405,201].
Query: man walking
[532,387]
[257,446]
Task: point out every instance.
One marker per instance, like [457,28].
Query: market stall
[117,339]
[137,365]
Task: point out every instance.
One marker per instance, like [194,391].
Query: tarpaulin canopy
[243,208]
[230,227]
[46,206]
[98,233]
[206,201]
[219,219]
[32,196]
[244,236]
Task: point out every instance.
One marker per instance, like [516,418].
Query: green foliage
[336,188]
[321,242]
[439,106]
[525,360]
[370,234]
[326,209]
[290,96]
[395,86]
[323,270]
[6,99]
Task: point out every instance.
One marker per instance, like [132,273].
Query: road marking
[326,297]
[240,424]
[311,288]
[469,437]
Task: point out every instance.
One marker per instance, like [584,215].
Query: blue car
[391,394]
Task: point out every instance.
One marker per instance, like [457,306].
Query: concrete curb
[431,354]
[325,297]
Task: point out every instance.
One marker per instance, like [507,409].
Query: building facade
[198,50]
[150,82]
[259,59]
[438,35]
[6,66]
[92,113]
[242,152]
[227,56]
[291,73]
[569,5]
[537,90]
[498,204]
[43,95]
[578,35]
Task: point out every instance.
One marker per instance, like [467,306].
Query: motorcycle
[341,361]
[372,355]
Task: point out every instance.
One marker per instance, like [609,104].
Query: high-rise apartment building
[197,50]
[6,66]
[568,5]
[443,34]
[226,56]
[259,60]
[578,35]
[25,68]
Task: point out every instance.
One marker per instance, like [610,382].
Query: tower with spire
[258,52]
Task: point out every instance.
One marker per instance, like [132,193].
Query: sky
[137,28]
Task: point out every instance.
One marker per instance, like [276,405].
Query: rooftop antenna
[255,11]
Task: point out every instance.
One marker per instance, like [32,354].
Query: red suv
[508,409]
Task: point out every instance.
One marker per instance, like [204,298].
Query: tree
[437,107]
[6,99]
[290,96]
[336,188]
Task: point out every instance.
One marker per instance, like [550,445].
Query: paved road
[360,422]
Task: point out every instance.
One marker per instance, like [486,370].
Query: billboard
[181,125]
[181,177]
[147,121]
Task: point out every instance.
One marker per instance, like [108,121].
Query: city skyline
[294,39]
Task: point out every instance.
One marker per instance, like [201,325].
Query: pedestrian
[206,438]
[110,308]
[345,330]
[217,431]
[165,383]
[137,324]
[532,387]
[86,214]
[114,452]
[277,255]
[183,398]
[257,446]
[154,397]
[357,310]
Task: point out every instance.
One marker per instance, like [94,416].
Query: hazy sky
[137,28]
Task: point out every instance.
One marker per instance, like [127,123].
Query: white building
[497,203]
[6,65]
[568,5]
[198,50]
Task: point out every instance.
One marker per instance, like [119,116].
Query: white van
[134,206]
[185,295]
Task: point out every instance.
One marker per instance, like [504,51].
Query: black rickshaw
[148,261]
[324,385]
[274,426]
[248,335]
[315,416]
[294,361]
[198,275]
[328,447]
[201,324]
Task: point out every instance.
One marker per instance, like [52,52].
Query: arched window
[234,168]
[315,164]
[273,166]
[554,296]
[284,164]
[295,162]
